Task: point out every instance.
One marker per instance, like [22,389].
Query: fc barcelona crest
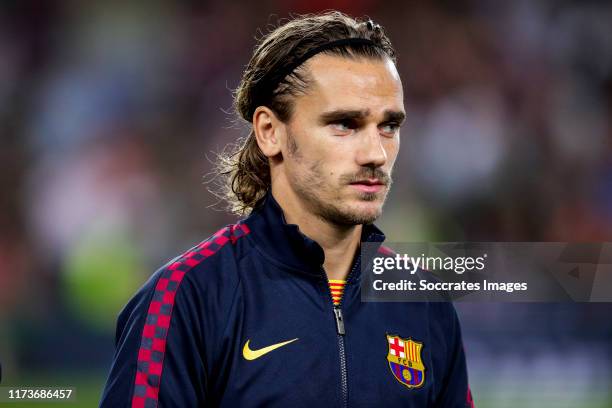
[405,361]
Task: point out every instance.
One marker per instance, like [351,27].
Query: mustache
[367,173]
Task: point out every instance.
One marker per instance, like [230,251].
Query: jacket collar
[288,245]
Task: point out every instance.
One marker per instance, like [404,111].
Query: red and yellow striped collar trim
[337,289]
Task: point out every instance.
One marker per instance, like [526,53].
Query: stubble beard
[326,202]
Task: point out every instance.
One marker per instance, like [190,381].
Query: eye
[390,128]
[343,126]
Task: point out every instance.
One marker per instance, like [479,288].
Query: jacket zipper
[341,332]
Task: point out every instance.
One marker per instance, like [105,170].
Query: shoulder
[220,250]
[209,267]
[213,262]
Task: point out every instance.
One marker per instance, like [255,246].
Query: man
[267,312]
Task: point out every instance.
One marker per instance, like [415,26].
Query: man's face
[343,138]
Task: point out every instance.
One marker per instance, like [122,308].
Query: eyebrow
[355,114]
[342,114]
[394,116]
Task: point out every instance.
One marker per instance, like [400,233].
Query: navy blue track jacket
[246,319]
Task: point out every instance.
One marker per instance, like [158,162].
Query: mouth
[368,185]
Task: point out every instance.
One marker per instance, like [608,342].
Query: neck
[339,242]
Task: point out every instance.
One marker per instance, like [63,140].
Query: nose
[371,151]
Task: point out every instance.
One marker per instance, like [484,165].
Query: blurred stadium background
[110,114]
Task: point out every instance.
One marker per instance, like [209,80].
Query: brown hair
[245,169]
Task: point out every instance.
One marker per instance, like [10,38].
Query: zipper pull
[339,320]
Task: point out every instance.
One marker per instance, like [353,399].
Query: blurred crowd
[111,114]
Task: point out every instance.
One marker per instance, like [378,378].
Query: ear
[267,128]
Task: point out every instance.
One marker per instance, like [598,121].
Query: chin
[370,215]
[364,212]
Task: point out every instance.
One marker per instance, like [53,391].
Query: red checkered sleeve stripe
[153,341]
[385,251]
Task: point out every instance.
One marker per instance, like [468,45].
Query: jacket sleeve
[158,360]
[455,390]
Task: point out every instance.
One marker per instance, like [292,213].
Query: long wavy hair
[244,169]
